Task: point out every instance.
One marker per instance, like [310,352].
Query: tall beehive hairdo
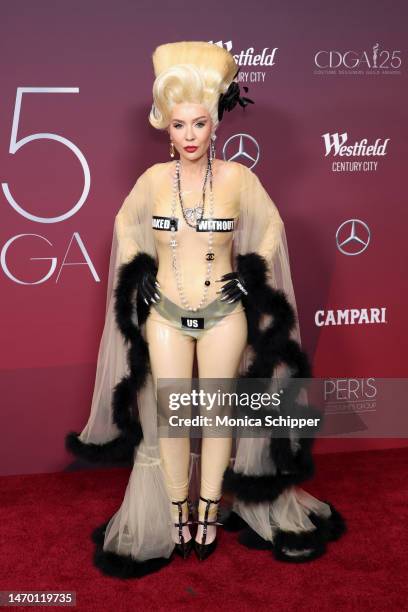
[190,71]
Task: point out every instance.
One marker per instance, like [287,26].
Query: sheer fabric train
[141,527]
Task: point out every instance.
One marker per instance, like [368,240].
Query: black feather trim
[122,566]
[118,450]
[273,346]
[315,541]
[233,522]
[124,411]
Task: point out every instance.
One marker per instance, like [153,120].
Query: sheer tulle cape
[142,525]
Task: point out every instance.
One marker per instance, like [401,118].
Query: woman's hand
[149,288]
[234,289]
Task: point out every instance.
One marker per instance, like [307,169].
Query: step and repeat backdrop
[327,136]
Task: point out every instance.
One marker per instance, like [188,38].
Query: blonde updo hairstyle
[189,71]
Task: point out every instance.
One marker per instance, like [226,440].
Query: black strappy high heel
[202,549]
[183,548]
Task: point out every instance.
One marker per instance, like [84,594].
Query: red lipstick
[190,149]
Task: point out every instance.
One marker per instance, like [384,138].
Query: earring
[171,149]
[212,147]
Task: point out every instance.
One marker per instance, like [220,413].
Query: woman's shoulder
[150,175]
[234,167]
[228,165]
[231,170]
[157,168]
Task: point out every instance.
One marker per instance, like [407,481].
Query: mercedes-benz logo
[353,237]
[243,148]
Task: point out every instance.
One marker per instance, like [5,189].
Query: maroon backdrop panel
[327,137]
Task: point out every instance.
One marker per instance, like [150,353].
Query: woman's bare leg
[219,352]
[171,356]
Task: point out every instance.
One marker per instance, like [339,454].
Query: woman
[199,267]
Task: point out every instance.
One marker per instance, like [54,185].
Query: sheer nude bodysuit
[140,527]
[218,349]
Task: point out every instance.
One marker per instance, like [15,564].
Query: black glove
[234,289]
[148,288]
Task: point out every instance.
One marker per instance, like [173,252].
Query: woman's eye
[199,123]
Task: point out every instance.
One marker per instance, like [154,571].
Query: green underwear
[197,322]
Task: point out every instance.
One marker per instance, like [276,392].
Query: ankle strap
[206,522]
[206,513]
[180,502]
[182,523]
[211,501]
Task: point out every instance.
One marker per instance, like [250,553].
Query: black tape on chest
[163,223]
[216,225]
[192,322]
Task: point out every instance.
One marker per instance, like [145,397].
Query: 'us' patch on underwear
[164,223]
[216,225]
[192,323]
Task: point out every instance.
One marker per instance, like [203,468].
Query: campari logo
[351,316]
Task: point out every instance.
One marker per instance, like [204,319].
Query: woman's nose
[190,134]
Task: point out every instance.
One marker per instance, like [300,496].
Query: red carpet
[46,521]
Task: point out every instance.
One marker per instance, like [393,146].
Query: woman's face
[190,126]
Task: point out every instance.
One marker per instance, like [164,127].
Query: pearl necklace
[193,215]
[173,242]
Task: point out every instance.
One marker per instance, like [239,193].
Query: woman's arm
[130,221]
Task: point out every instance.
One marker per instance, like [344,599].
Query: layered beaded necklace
[192,217]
